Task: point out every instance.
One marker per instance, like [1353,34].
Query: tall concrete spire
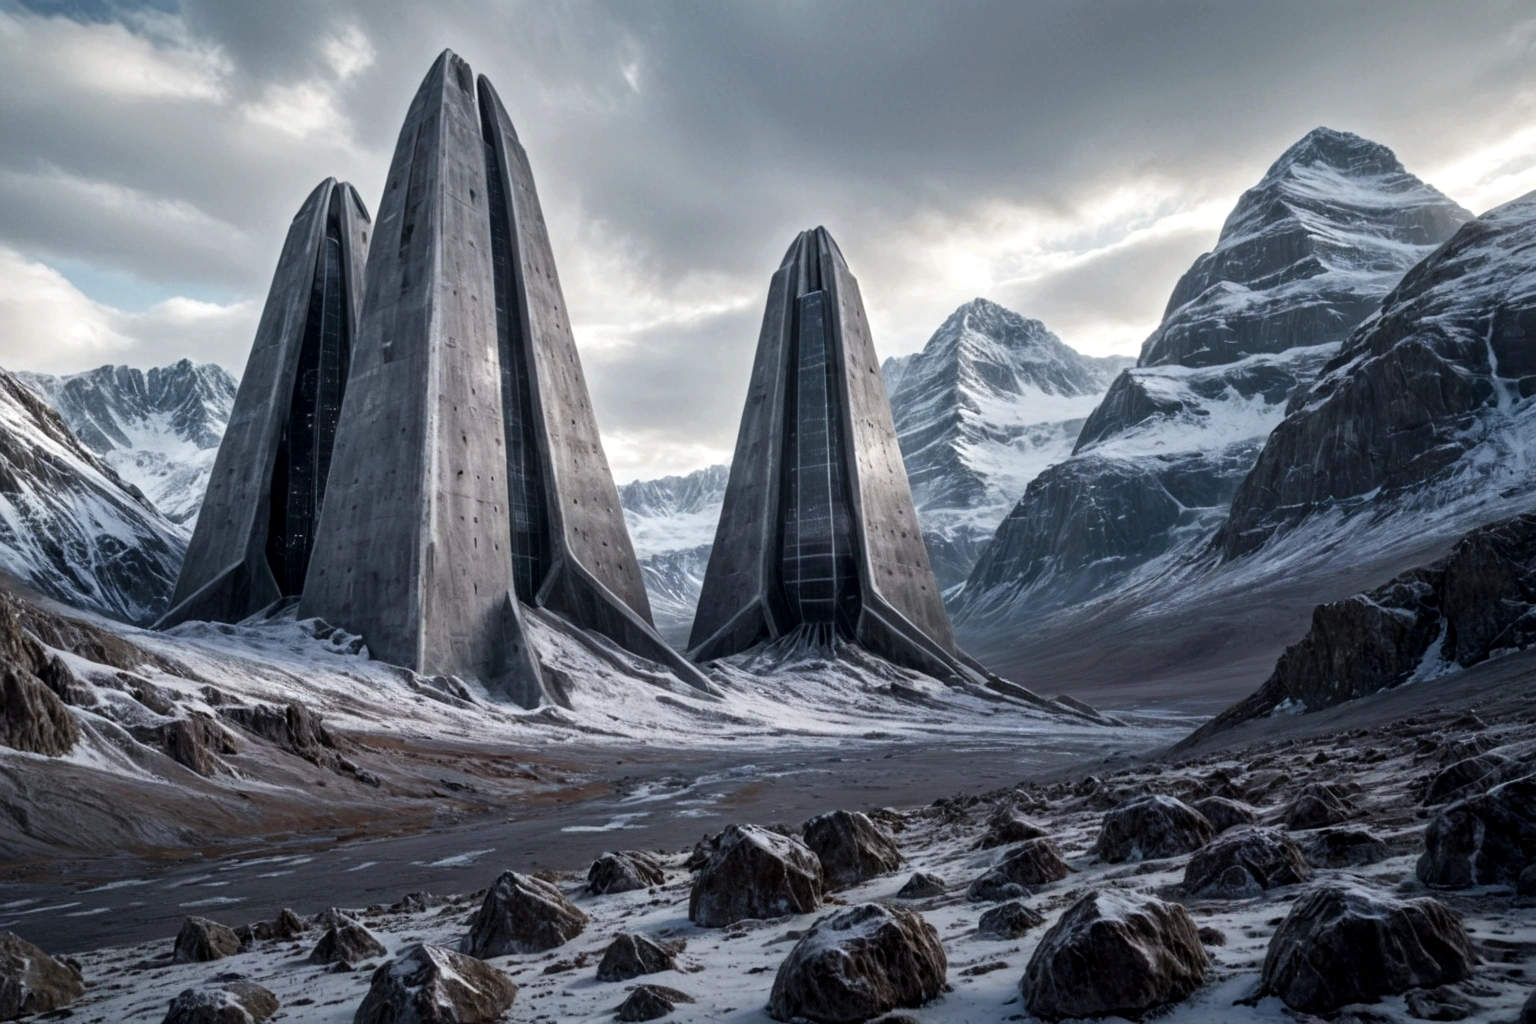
[469,476]
[818,533]
[255,533]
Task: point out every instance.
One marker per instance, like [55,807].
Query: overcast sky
[1068,160]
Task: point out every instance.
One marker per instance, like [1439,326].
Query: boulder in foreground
[1348,847]
[857,963]
[920,886]
[1150,828]
[624,871]
[1114,954]
[1485,840]
[227,999]
[851,847]
[1343,944]
[1033,863]
[432,985]
[755,873]
[522,914]
[347,942]
[1008,920]
[1318,805]
[31,981]
[650,1002]
[1224,813]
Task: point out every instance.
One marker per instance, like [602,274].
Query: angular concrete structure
[818,535]
[469,477]
[254,537]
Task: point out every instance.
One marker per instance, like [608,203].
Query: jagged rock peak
[1305,255]
[676,495]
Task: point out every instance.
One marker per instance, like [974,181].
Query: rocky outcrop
[1245,862]
[851,848]
[1150,828]
[755,873]
[1460,611]
[1114,954]
[32,717]
[1488,839]
[522,914]
[1034,863]
[1343,848]
[1473,775]
[1433,378]
[346,942]
[630,955]
[31,981]
[1304,257]
[1342,944]
[432,985]
[650,1002]
[285,927]
[1008,920]
[1224,813]
[227,999]
[624,871]
[201,940]
[857,963]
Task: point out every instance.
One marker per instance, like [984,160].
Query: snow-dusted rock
[857,963]
[650,1002]
[1008,826]
[921,886]
[31,981]
[1008,920]
[1485,840]
[286,926]
[630,955]
[432,985]
[1224,813]
[851,847]
[1473,775]
[624,871]
[522,914]
[1151,827]
[201,940]
[1344,944]
[1245,862]
[1317,805]
[226,999]
[1114,954]
[1033,863]
[1348,847]
[755,873]
[348,942]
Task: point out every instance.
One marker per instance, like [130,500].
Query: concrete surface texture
[469,476]
[818,531]
[254,536]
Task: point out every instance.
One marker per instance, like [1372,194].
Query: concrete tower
[818,533]
[469,476]
[256,530]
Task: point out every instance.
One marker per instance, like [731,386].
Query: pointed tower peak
[1341,151]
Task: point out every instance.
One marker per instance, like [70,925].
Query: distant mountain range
[160,428]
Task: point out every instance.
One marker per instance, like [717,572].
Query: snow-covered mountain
[159,429]
[70,526]
[672,523]
[991,400]
[1306,255]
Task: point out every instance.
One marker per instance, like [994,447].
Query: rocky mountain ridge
[70,526]
[158,428]
[1305,256]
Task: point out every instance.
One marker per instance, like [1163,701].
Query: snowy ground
[731,970]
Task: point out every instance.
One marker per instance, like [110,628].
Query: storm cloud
[1066,159]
